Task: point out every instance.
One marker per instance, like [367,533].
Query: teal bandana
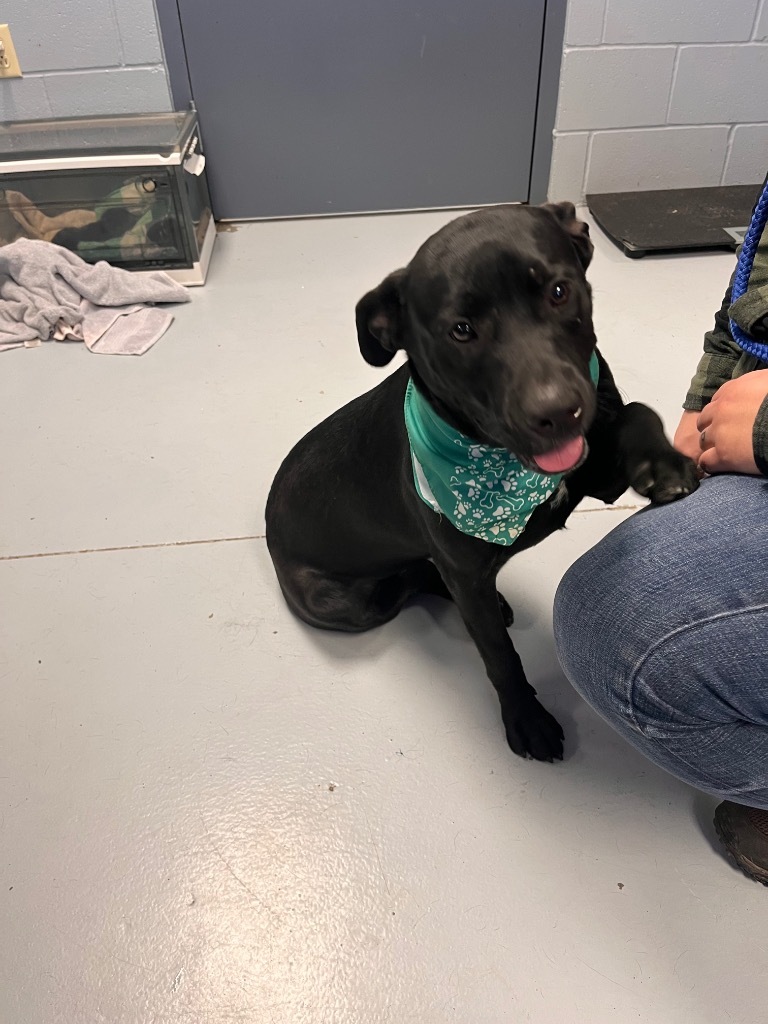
[484,491]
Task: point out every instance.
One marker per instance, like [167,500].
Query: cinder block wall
[661,94]
[84,57]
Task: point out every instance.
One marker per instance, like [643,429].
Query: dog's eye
[559,293]
[463,331]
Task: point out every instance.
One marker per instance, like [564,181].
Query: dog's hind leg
[356,604]
[431,582]
[426,579]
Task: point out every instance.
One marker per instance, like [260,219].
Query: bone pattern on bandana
[492,495]
[484,491]
[495,499]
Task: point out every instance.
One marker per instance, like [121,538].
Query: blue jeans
[663,629]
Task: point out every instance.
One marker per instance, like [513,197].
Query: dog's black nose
[556,420]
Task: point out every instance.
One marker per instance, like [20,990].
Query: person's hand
[687,438]
[726,425]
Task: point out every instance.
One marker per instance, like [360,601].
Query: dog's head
[495,315]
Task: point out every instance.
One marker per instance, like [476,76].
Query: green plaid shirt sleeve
[716,366]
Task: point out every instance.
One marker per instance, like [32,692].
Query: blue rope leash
[744,269]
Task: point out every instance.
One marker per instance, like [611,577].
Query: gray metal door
[338,106]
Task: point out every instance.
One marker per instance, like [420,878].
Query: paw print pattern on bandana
[483,491]
[494,494]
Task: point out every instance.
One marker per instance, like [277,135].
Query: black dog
[494,313]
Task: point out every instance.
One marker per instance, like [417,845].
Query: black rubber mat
[675,220]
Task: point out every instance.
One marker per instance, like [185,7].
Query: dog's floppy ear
[379,318]
[577,229]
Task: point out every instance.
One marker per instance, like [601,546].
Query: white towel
[48,292]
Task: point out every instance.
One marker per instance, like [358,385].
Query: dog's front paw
[666,477]
[532,732]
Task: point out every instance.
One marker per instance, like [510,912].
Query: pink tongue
[562,458]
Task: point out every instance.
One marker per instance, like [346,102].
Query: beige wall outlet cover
[9,62]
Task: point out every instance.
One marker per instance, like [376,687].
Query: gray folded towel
[48,292]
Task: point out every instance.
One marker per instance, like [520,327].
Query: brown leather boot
[744,832]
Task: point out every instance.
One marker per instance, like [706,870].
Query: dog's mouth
[564,457]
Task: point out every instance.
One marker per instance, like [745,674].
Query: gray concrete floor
[212,814]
